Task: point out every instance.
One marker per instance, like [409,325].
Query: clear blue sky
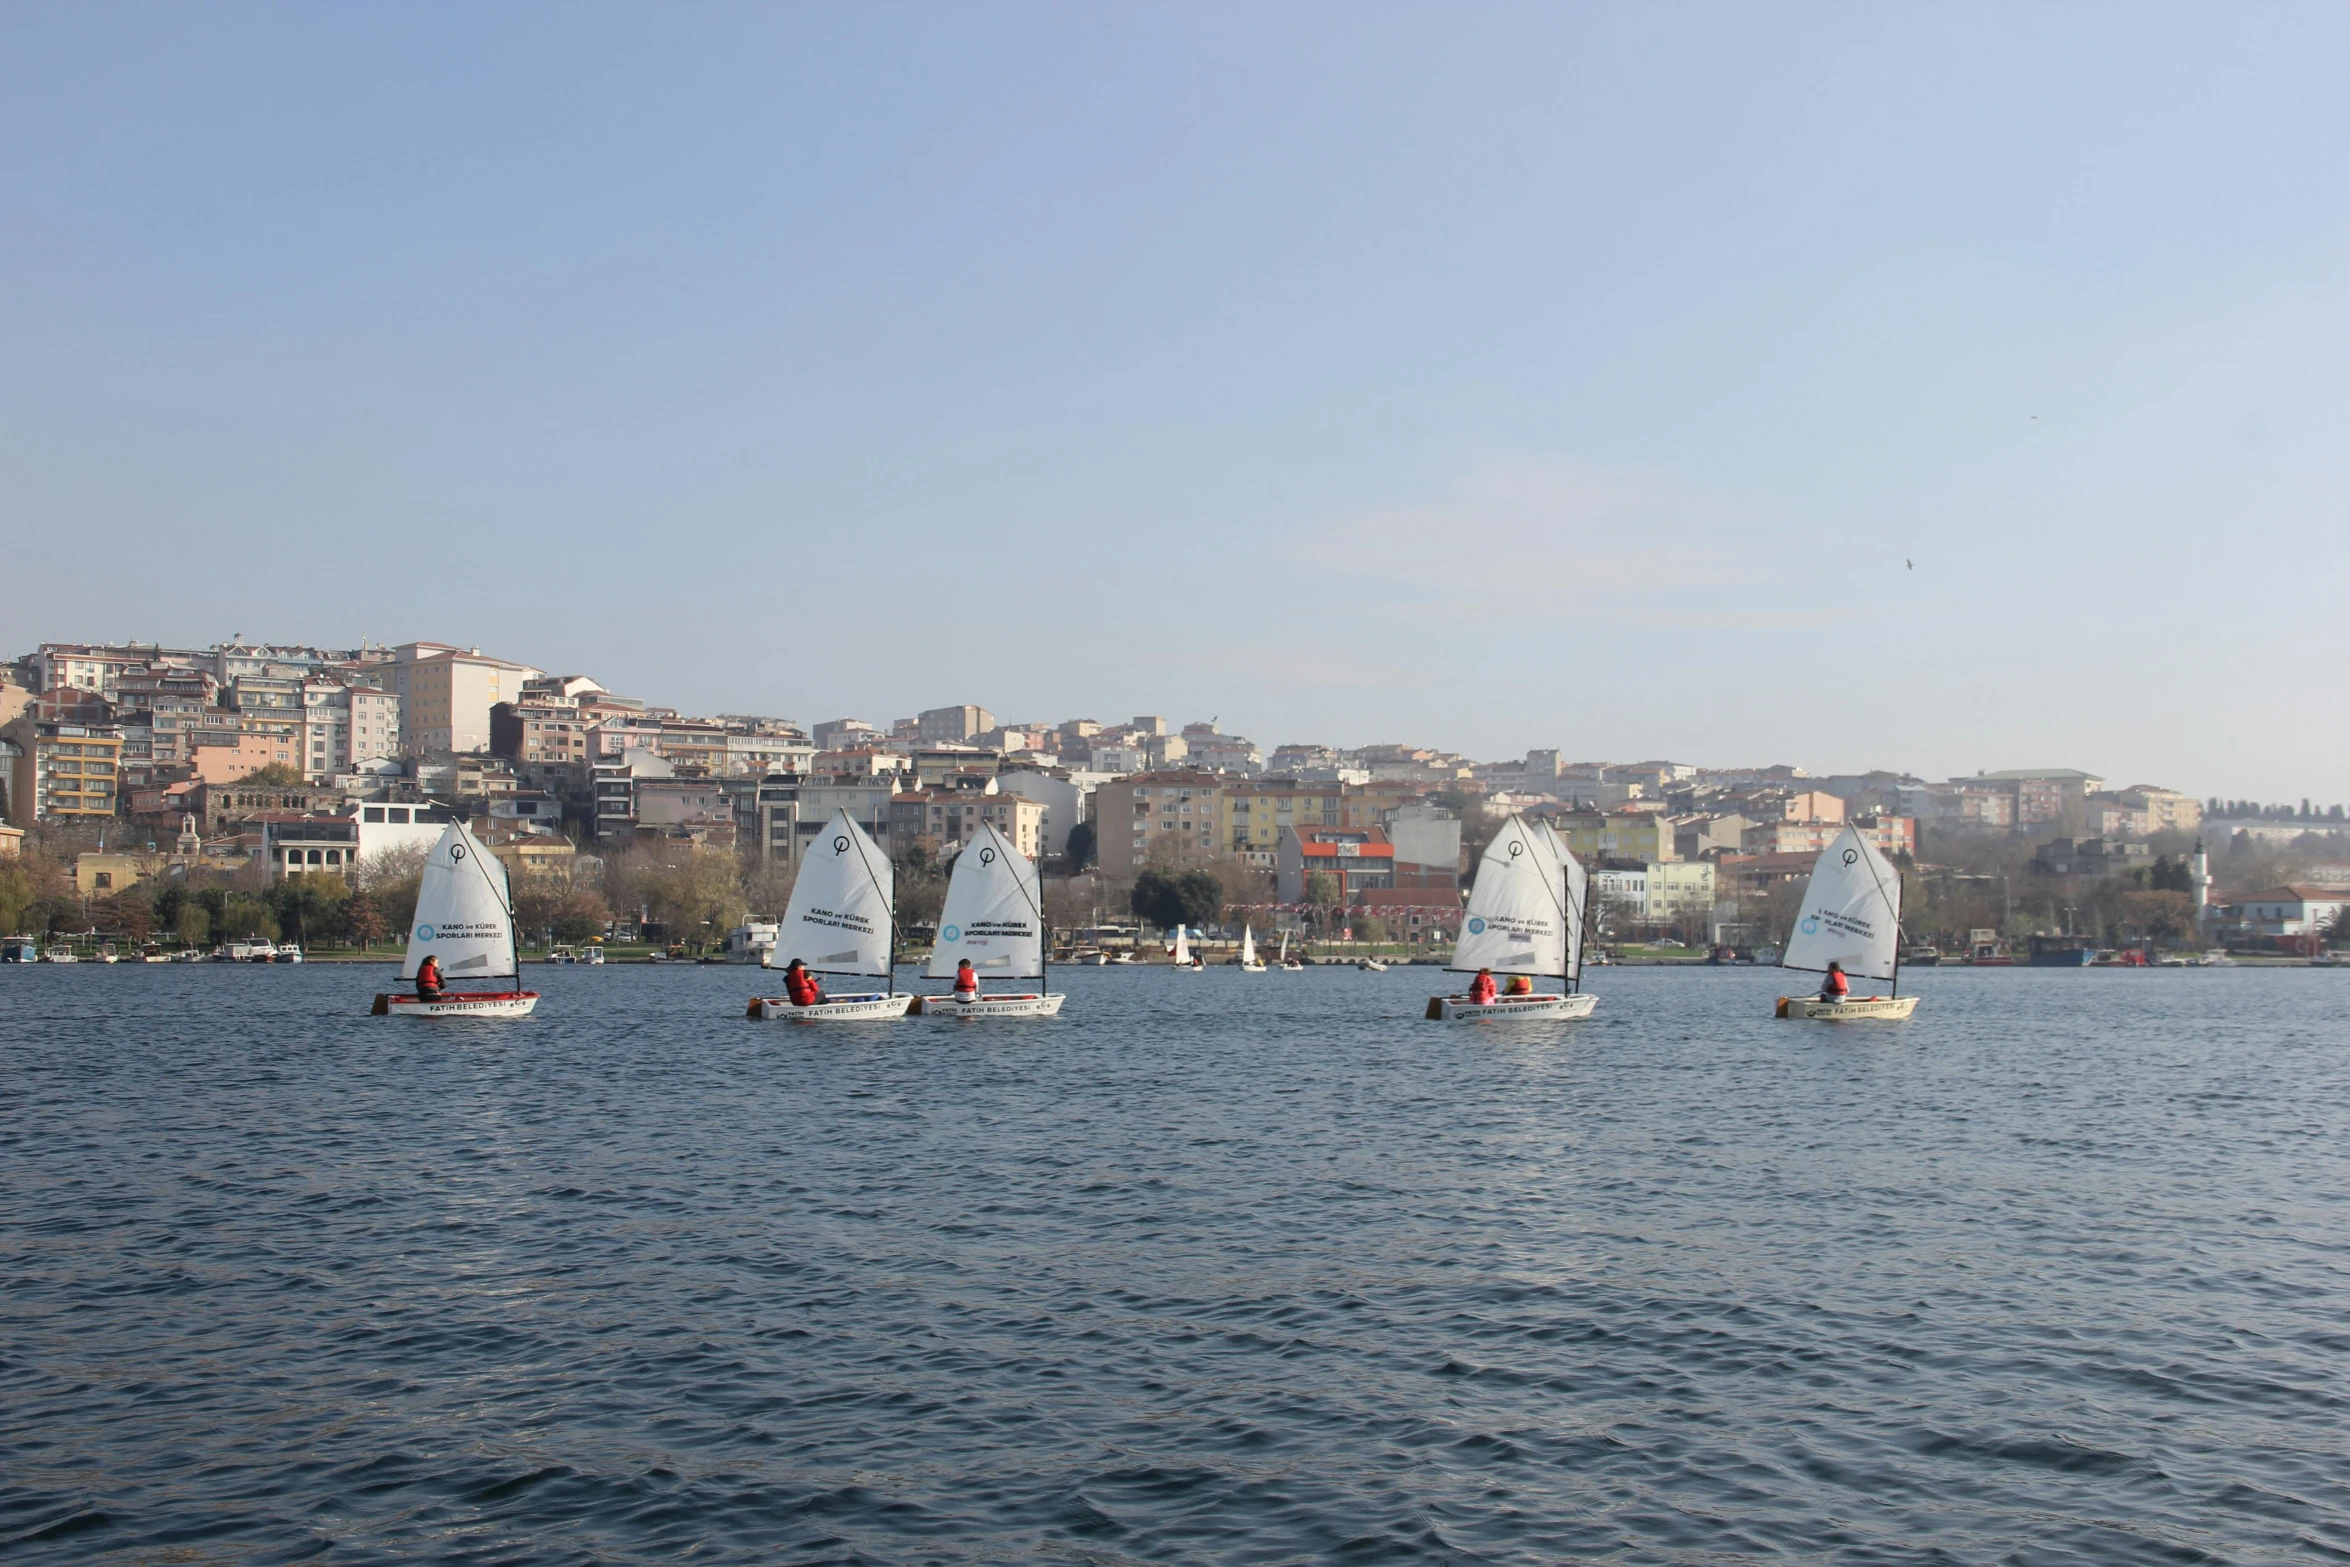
[1480,375]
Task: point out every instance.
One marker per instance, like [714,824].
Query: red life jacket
[966,981]
[800,986]
[1835,984]
[1481,988]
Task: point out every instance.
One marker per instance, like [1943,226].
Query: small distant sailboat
[465,918]
[994,917]
[1249,962]
[1183,958]
[1526,915]
[1851,917]
[1285,961]
[842,920]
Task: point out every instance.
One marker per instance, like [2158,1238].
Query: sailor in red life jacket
[1834,986]
[428,979]
[800,985]
[1520,985]
[966,981]
[1481,988]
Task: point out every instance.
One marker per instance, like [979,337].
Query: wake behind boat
[1851,918]
[1526,916]
[994,921]
[465,923]
[842,920]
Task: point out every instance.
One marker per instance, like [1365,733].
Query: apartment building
[951,818]
[345,727]
[1890,834]
[1358,860]
[1256,810]
[1629,834]
[61,770]
[953,725]
[1184,811]
[446,694]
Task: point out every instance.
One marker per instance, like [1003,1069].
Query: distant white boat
[842,920]
[1526,915]
[993,920]
[464,920]
[1851,917]
[1248,960]
[59,952]
[1285,960]
[1183,957]
[751,942]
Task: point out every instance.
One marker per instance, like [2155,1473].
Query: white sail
[841,905]
[1516,919]
[1182,947]
[463,914]
[1248,946]
[991,913]
[1851,912]
[1578,898]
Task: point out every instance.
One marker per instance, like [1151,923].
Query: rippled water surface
[1215,1268]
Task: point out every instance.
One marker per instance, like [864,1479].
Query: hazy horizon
[1931,390]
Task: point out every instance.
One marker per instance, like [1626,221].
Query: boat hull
[968,1007]
[1510,1009]
[483,1003]
[1850,1009]
[840,1009]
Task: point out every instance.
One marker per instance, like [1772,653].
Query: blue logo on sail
[424,933]
[1477,927]
[951,933]
[1811,925]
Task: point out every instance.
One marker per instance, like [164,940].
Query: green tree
[1171,898]
[277,775]
[1080,852]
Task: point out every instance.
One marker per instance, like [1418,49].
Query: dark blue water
[1221,1268]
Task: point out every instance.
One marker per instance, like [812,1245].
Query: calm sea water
[1215,1268]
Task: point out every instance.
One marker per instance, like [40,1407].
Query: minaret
[2199,878]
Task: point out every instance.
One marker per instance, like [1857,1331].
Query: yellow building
[535,856]
[103,875]
[1254,812]
[62,771]
[1620,835]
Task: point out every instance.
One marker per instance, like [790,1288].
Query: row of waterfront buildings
[290,755]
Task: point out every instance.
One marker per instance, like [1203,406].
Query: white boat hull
[1851,1008]
[454,1003]
[1460,1009]
[988,1006]
[840,1009]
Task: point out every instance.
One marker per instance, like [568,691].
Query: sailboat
[1248,960]
[1525,916]
[1183,958]
[994,916]
[465,918]
[1285,961]
[1851,916]
[842,920]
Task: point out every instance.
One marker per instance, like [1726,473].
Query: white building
[446,694]
[1067,799]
